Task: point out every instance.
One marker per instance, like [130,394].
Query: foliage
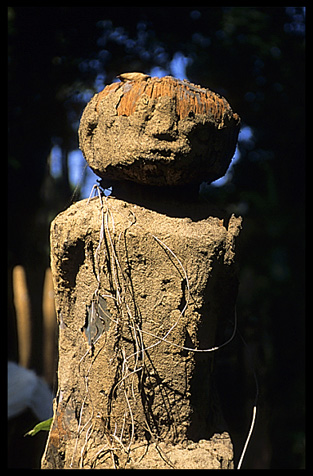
[42,426]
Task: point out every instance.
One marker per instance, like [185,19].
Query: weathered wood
[23,315]
[189,98]
[49,329]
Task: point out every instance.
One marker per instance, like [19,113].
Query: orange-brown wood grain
[189,98]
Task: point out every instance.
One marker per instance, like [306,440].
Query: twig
[248,437]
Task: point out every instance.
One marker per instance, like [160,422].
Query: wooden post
[23,315]
[49,328]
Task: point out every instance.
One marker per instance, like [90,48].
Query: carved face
[158,132]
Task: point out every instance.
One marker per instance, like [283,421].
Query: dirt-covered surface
[215,453]
[136,292]
[158,132]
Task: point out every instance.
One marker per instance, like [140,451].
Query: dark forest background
[254,56]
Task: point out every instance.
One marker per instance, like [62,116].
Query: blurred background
[58,58]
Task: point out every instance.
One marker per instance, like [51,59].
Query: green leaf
[42,426]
